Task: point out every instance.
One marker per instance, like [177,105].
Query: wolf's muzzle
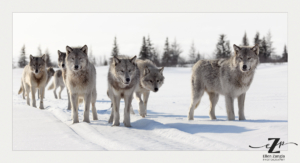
[155,89]
[245,67]
[36,71]
[76,67]
[127,79]
[62,65]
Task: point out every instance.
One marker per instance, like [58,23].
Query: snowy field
[166,127]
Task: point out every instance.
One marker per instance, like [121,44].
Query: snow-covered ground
[166,127]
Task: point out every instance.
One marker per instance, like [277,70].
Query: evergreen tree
[245,41]
[115,50]
[263,54]
[91,57]
[174,53]
[48,59]
[166,54]
[192,54]
[39,51]
[285,54]
[144,50]
[223,49]
[150,49]
[270,49]
[198,57]
[156,57]
[22,59]
[105,61]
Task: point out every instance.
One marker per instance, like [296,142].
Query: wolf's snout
[127,79]
[245,67]
[76,67]
[63,65]
[155,89]
[36,71]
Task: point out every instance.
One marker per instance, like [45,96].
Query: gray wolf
[230,77]
[58,81]
[34,77]
[80,82]
[151,79]
[123,79]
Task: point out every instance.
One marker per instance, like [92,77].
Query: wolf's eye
[122,71]
[72,59]
[157,81]
[241,58]
[129,70]
[150,81]
[40,65]
[249,58]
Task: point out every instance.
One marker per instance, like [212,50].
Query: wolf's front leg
[61,89]
[131,110]
[27,89]
[116,107]
[42,94]
[146,97]
[74,103]
[128,100]
[93,102]
[142,110]
[229,108]
[33,91]
[87,103]
[69,100]
[111,118]
[241,103]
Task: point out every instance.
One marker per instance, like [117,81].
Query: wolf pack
[130,77]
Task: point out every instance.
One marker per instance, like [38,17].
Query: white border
[8,7]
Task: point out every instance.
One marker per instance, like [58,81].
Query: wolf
[123,79]
[58,79]
[34,77]
[230,77]
[151,79]
[80,81]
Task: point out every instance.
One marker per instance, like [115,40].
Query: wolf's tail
[51,86]
[20,90]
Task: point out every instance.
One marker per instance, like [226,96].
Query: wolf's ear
[68,49]
[116,60]
[255,49]
[146,70]
[236,48]
[132,60]
[31,57]
[84,49]
[59,53]
[44,57]
[161,70]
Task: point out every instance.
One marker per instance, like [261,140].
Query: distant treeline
[171,56]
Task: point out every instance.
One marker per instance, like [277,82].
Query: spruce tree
[48,60]
[22,59]
[285,54]
[223,49]
[115,50]
[150,49]
[192,54]
[166,54]
[144,50]
[175,53]
[245,41]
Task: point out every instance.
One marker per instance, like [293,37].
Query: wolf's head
[50,71]
[76,58]
[246,58]
[61,59]
[152,79]
[125,69]
[37,64]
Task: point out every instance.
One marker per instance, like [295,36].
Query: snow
[166,127]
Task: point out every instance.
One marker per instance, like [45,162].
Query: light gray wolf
[230,77]
[123,79]
[81,82]
[151,79]
[58,80]
[34,77]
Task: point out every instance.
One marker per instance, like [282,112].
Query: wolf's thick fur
[123,79]
[34,77]
[151,79]
[50,72]
[230,77]
[81,82]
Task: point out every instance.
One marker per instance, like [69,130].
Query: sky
[54,31]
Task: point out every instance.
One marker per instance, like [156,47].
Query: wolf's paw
[127,125]
[86,120]
[41,107]
[116,124]
[95,118]
[242,118]
[143,113]
[190,118]
[75,121]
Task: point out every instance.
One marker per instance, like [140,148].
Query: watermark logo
[271,147]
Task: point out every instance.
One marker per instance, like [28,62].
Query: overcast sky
[97,30]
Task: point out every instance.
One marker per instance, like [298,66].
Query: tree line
[171,55]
